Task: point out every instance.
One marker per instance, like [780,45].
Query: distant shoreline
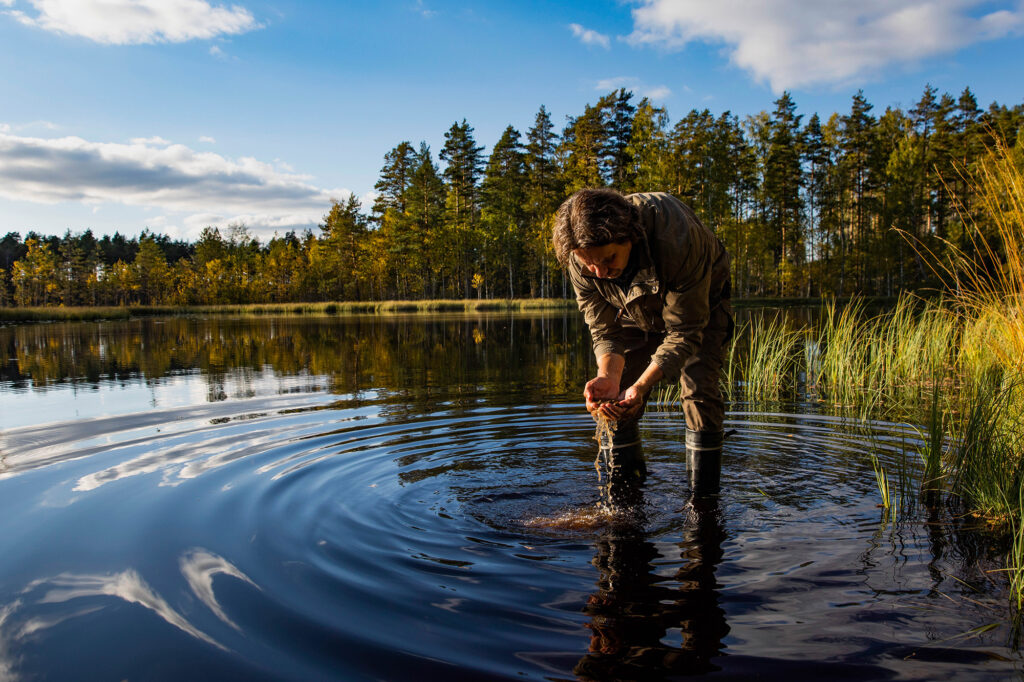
[87,313]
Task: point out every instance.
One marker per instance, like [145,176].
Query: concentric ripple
[313,536]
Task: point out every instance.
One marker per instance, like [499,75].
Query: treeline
[806,208]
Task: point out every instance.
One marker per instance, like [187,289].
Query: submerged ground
[350,498]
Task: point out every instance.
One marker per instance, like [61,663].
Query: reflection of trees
[419,356]
[636,612]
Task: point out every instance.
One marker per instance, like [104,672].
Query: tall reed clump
[841,372]
[985,453]
[986,272]
[762,363]
[769,360]
[912,349]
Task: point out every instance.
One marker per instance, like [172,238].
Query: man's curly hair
[594,217]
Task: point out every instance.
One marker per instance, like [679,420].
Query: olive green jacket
[684,272]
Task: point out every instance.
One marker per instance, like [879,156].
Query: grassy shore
[84,313]
[324,308]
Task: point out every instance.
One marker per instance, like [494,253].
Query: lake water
[357,498]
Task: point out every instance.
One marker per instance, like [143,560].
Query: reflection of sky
[65,402]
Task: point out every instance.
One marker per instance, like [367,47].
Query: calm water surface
[355,498]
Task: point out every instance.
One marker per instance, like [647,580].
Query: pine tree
[584,142]
[544,192]
[462,178]
[617,115]
[395,177]
[690,159]
[151,271]
[425,209]
[345,230]
[782,180]
[860,162]
[503,202]
[647,151]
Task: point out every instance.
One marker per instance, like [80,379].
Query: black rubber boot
[628,468]
[628,454]
[704,461]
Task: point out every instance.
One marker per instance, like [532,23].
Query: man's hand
[600,389]
[627,405]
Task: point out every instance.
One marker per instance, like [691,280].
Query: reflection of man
[653,285]
[636,605]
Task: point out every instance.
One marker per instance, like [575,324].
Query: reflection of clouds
[127,585]
[6,660]
[199,566]
[194,459]
[33,625]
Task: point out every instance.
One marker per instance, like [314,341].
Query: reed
[884,488]
[770,364]
[931,453]
[1015,559]
[985,455]
[842,370]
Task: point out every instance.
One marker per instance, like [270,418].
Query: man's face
[606,261]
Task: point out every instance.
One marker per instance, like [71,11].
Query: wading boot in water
[628,469]
[704,461]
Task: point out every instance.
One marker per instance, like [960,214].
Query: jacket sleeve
[601,316]
[686,309]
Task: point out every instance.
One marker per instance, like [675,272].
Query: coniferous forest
[807,207]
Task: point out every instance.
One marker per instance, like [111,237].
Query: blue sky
[177,114]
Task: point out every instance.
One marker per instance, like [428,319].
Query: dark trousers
[703,405]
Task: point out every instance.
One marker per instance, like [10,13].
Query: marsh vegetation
[950,365]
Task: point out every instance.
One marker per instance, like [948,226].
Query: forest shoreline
[95,313]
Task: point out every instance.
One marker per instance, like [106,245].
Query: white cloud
[45,125]
[133,22]
[423,11]
[655,93]
[207,139]
[367,199]
[795,43]
[215,51]
[156,140]
[590,37]
[204,187]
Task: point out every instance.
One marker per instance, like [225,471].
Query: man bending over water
[653,285]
